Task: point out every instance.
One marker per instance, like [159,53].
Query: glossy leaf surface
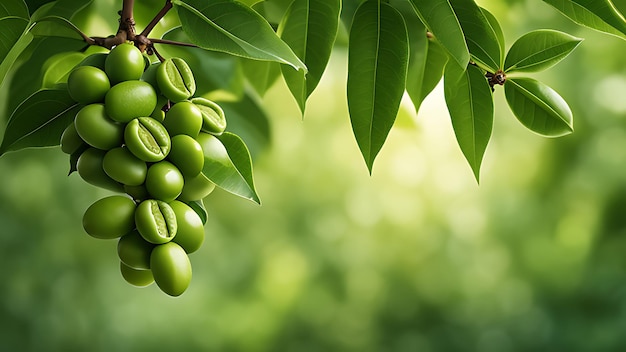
[597,14]
[539,107]
[470,103]
[377,66]
[539,50]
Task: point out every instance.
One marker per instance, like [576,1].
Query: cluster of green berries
[141,132]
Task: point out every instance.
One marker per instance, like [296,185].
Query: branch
[157,18]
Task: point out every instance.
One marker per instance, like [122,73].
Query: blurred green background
[416,257]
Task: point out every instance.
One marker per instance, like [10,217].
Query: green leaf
[377,68]
[600,15]
[440,19]
[31,68]
[14,39]
[234,28]
[470,103]
[260,74]
[247,119]
[227,163]
[58,67]
[425,71]
[56,26]
[200,209]
[17,8]
[481,37]
[39,120]
[539,50]
[497,29]
[309,28]
[214,72]
[538,107]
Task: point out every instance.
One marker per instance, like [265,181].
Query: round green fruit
[97,129]
[213,117]
[88,84]
[175,79]
[89,167]
[70,140]
[147,139]
[186,154]
[156,221]
[124,167]
[190,230]
[110,217]
[134,251]
[171,268]
[183,118]
[139,278]
[129,100]
[164,181]
[124,63]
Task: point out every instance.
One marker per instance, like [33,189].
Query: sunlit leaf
[234,28]
[227,163]
[482,40]
[539,50]
[538,107]
[15,8]
[597,14]
[470,103]
[377,65]
[309,28]
[39,120]
[440,19]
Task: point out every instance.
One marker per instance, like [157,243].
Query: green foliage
[395,47]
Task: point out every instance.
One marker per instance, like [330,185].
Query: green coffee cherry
[124,63]
[213,118]
[171,268]
[110,217]
[190,231]
[89,167]
[139,278]
[183,118]
[175,80]
[128,100]
[97,129]
[124,167]
[147,139]
[186,154]
[164,181]
[88,84]
[70,140]
[155,221]
[150,76]
[134,251]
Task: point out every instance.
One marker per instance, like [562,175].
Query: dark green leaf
[597,14]
[227,163]
[60,8]
[15,8]
[200,209]
[377,66]
[470,103]
[425,71]
[213,71]
[260,74]
[497,29]
[539,50]
[440,19]
[309,28]
[39,120]
[538,107]
[234,28]
[247,119]
[56,26]
[13,41]
[482,40]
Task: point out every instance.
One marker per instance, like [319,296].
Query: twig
[157,18]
